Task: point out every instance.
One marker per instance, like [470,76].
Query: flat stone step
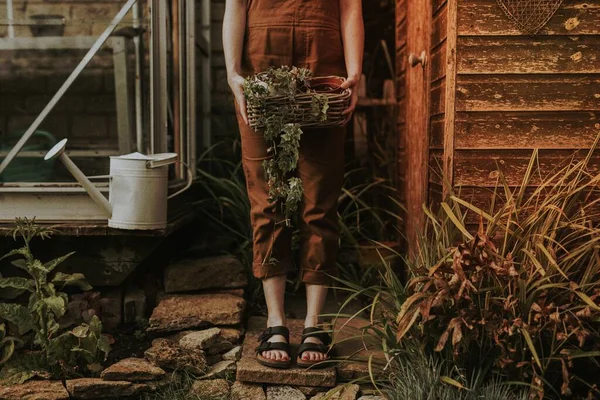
[38,390]
[188,311]
[354,345]
[249,370]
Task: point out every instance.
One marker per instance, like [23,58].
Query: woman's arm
[353,37]
[234,29]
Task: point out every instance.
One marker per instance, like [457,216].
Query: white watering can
[138,188]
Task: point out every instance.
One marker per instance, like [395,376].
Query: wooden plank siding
[482,168]
[484,18]
[522,130]
[495,94]
[401,57]
[437,74]
[525,55]
[482,198]
[532,92]
[441,96]
[442,104]
[516,92]
[414,169]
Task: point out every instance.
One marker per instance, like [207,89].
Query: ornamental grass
[513,299]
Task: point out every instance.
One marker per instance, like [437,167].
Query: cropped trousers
[302,33]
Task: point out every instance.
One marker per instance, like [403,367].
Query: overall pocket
[324,51]
[269,47]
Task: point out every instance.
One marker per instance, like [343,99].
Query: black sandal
[322,348]
[265,345]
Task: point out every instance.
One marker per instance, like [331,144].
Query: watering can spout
[58,151]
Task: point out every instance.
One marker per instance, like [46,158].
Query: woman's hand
[234,27]
[352,84]
[236,83]
[353,37]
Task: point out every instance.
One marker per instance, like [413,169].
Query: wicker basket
[330,86]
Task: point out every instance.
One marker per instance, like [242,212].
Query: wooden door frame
[450,97]
[418,27]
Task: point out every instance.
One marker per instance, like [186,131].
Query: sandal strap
[320,348]
[316,333]
[274,330]
[265,346]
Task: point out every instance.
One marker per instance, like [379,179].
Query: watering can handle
[189,182]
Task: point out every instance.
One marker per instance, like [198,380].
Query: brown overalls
[302,33]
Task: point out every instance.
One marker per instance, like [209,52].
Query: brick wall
[83,17]
[29,78]
[86,115]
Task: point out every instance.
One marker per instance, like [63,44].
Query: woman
[327,37]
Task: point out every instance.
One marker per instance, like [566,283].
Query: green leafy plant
[361,222]
[91,345]
[283,138]
[225,209]
[40,322]
[411,369]
[417,377]
[7,345]
[515,301]
[224,204]
[523,292]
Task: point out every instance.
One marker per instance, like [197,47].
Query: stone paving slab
[35,390]
[133,370]
[310,391]
[96,388]
[249,370]
[188,311]
[247,391]
[353,348]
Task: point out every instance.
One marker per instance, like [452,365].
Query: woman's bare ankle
[275,321]
[311,321]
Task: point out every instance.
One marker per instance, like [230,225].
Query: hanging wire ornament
[530,15]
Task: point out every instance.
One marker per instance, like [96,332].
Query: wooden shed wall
[516,92]
[440,122]
[497,94]
[401,92]
[441,54]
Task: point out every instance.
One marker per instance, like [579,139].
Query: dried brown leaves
[481,298]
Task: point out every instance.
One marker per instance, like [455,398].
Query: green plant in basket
[41,323]
[282,127]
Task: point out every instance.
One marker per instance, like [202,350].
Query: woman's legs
[315,300]
[272,240]
[274,289]
[321,167]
